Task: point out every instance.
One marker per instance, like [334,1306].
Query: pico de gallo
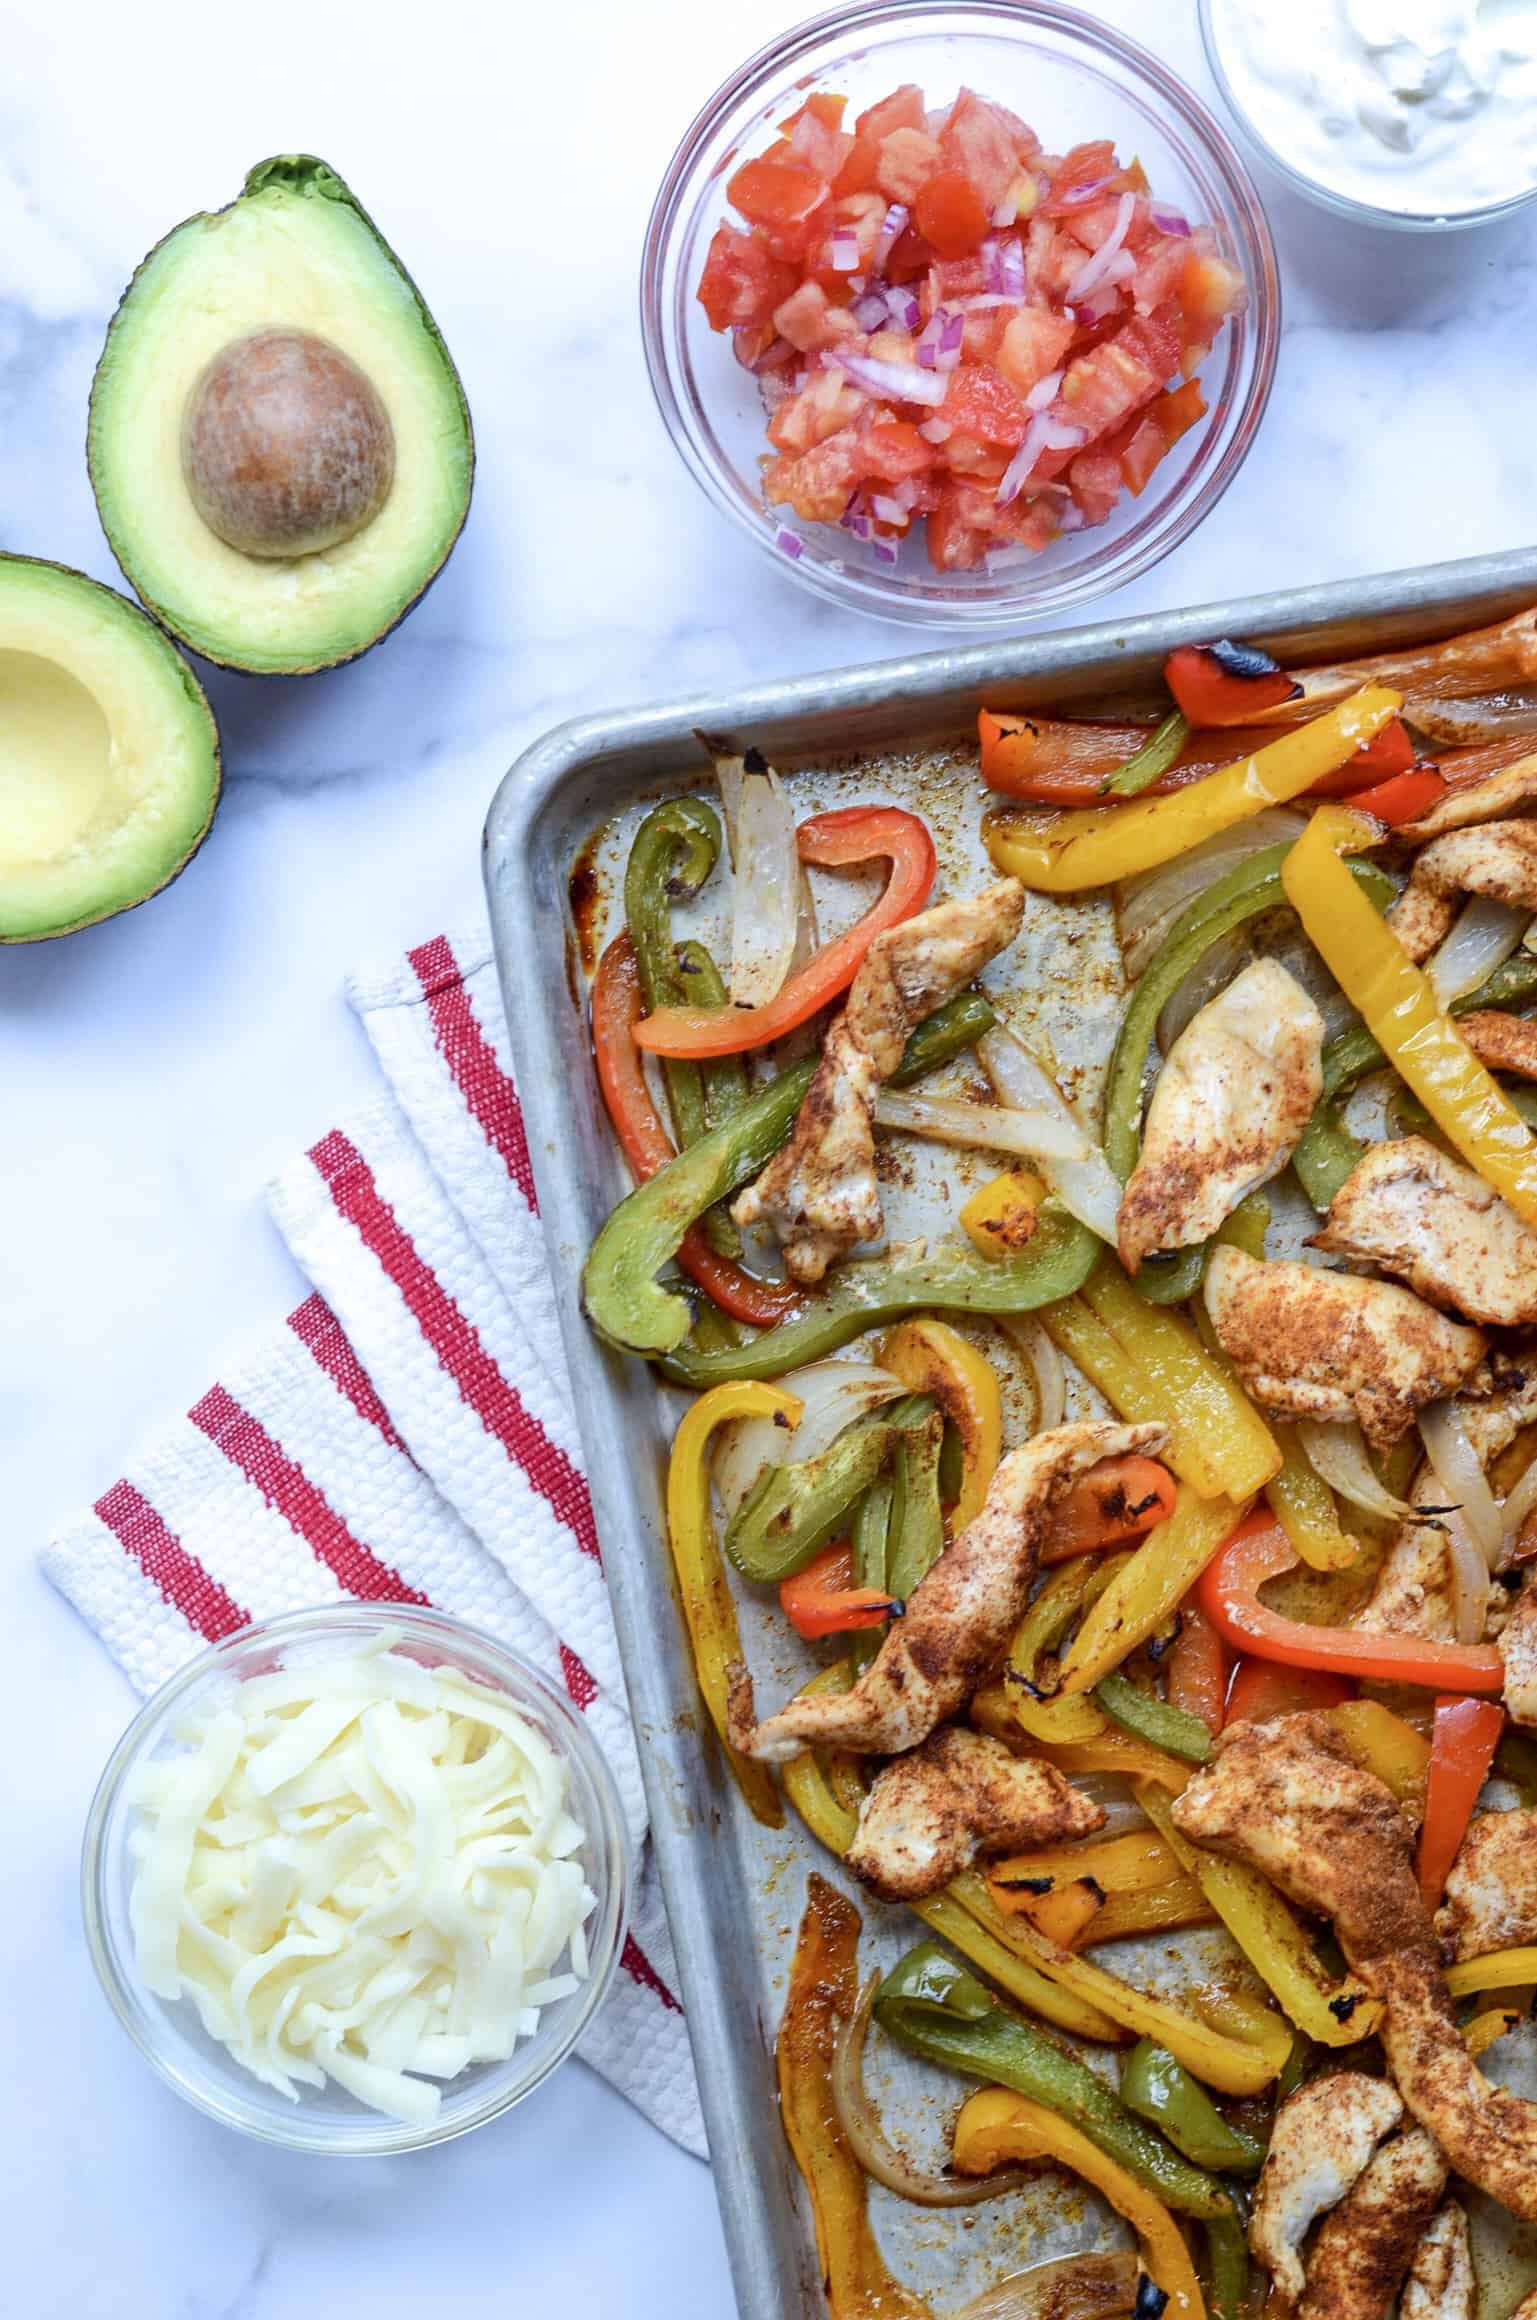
[957,330]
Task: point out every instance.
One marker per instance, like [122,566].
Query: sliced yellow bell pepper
[997,2128]
[1130,1864]
[1304,1506]
[932,1358]
[1163,1909]
[1069,1590]
[1502,1969]
[1063,1915]
[1106,843]
[999,1218]
[1148,1588]
[1399,1007]
[1099,1891]
[1387,1746]
[1332,2013]
[708,1609]
[1211,1409]
[1485,2028]
[1120,1753]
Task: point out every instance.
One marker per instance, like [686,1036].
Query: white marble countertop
[155,1070]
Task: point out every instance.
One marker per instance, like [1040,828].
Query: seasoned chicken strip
[959,1617]
[1441,2285]
[1518,1648]
[1493,799]
[1313,1344]
[819,1193]
[1408,1208]
[1497,859]
[1365,2247]
[1323,2136]
[1290,1799]
[930,1813]
[1527,2308]
[1501,1042]
[1236,1092]
[1491,1893]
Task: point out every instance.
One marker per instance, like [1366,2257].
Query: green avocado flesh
[109,757]
[295,253]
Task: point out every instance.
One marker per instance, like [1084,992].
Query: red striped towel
[407,1437]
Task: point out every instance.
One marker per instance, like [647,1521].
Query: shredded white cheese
[361,1870]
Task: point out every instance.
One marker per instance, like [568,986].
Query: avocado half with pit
[109,756]
[279,444]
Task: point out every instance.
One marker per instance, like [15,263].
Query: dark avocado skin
[198,701]
[305,174]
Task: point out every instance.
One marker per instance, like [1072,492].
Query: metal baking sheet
[734,1891]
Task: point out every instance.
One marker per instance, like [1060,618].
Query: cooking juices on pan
[1229,1621]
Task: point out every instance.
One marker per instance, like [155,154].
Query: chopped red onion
[935,430]
[1043,434]
[1169,220]
[1011,266]
[791,544]
[983,300]
[1104,301]
[1072,518]
[893,227]
[1096,269]
[887,510]
[939,341]
[854,519]
[991,254]
[904,493]
[904,309]
[843,250]
[772,356]
[886,551]
[1045,391]
[1005,213]
[870,312]
[901,382]
[1079,196]
[1002,559]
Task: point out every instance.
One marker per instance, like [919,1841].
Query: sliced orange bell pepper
[822,1599]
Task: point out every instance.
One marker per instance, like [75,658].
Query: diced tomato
[742,282]
[808,321]
[1138,452]
[1093,225]
[909,258]
[1052,258]
[980,401]
[950,213]
[903,109]
[1095,480]
[968,455]
[893,449]
[960,528]
[1178,409]
[907,158]
[982,334]
[953,278]
[789,202]
[818,482]
[1160,271]
[1084,166]
[816,137]
[825,407]
[1106,385]
[860,163]
[1209,291]
[1033,344]
[978,141]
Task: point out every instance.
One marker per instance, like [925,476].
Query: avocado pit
[286,447]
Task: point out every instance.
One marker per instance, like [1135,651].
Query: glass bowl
[1073,80]
[171,2034]
[1331,197]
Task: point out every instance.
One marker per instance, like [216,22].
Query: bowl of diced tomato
[966,311]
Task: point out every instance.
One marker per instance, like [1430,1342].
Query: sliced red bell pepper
[1401,798]
[849,834]
[616,1006]
[1259,1550]
[1463,1741]
[1262,1688]
[1062,761]
[1224,683]
[1197,1668]
[1388,752]
[822,1599]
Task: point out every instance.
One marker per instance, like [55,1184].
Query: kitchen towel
[408,1436]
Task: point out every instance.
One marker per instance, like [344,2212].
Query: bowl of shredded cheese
[355,1880]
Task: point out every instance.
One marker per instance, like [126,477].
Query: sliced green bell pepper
[868,1546]
[917,1534]
[621,1295]
[795,1507]
[1161,2090]
[1153,1720]
[1155,757]
[935,2008]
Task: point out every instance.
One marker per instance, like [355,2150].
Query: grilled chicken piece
[1412,1595]
[820,1194]
[929,1814]
[1497,859]
[1236,1092]
[1323,2136]
[1313,1344]
[1491,1893]
[1527,2308]
[1501,1042]
[1510,791]
[1436,1224]
[1518,1648]
[1441,2285]
[1288,1798]
[959,1617]
[1365,2247]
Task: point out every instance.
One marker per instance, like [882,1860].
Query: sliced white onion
[1045,391]
[1043,434]
[1086,1187]
[729,779]
[1469,1575]
[1465,723]
[1030,1135]
[1296,954]
[900,382]
[1337,1455]
[1483,938]
[765,895]
[1091,2286]
[833,1394]
[1048,1369]
[1461,1476]
[873,2148]
[1097,269]
[1147,906]
[1211,973]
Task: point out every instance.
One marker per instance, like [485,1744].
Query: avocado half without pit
[109,758]
[279,444]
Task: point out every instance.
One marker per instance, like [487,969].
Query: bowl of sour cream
[1419,114]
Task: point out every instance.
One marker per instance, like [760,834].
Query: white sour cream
[1424,107]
